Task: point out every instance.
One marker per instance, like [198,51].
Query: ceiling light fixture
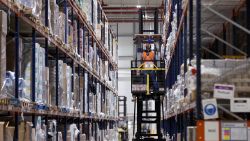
[138,4]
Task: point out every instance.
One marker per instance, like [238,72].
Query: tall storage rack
[184,20]
[87,52]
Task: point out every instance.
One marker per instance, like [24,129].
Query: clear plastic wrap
[61,26]
[52,130]
[40,130]
[3,30]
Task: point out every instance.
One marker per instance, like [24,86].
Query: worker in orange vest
[148,56]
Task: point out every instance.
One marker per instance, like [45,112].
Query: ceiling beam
[132,8]
[125,12]
[129,20]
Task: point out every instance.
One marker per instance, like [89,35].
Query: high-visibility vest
[148,56]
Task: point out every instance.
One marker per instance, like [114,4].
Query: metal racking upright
[26,26]
[198,35]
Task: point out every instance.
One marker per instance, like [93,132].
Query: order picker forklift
[148,82]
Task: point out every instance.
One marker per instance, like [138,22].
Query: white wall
[125,53]
[126,33]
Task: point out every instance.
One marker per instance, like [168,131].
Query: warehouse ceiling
[132,3]
[127,10]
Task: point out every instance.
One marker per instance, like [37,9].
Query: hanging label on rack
[222,91]
[210,110]
[240,105]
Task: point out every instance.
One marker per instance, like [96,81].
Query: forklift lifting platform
[148,83]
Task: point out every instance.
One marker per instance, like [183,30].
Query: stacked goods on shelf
[171,37]
[86,91]
[98,99]
[115,50]
[74,91]
[86,7]
[29,133]
[64,88]
[53,19]
[3,30]
[106,35]
[25,80]
[81,43]
[31,7]
[98,31]
[111,104]
[106,70]
[230,72]
[61,26]
[76,99]
[111,135]
[40,73]
[222,72]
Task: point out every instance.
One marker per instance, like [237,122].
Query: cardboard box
[81,94]
[3,22]
[2,131]
[9,133]
[69,87]
[2,59]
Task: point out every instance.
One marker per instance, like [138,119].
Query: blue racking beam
[181,37]
[198,60]
[190,30]
[46,24]
[57,75]
[65,129]
[66,22]
[185,45]
[177,49]
[16,72]
[83,41]
[83,94]
[33,72]
[185,70]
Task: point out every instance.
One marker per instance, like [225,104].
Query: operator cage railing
[147,77]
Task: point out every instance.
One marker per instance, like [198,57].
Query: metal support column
[140,21]
[46,24]
[185,48]
[66,22]
[156,21]
[16,72]
[33,71]
[198,60]
[190,30]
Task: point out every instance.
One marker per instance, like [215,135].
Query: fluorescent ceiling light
[138,6]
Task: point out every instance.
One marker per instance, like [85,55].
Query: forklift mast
[148,82]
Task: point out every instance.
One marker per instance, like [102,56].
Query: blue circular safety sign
[210,109]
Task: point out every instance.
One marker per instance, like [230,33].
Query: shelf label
[222,91]
[210,110]
[240,105]
[212,131]
[234,131]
